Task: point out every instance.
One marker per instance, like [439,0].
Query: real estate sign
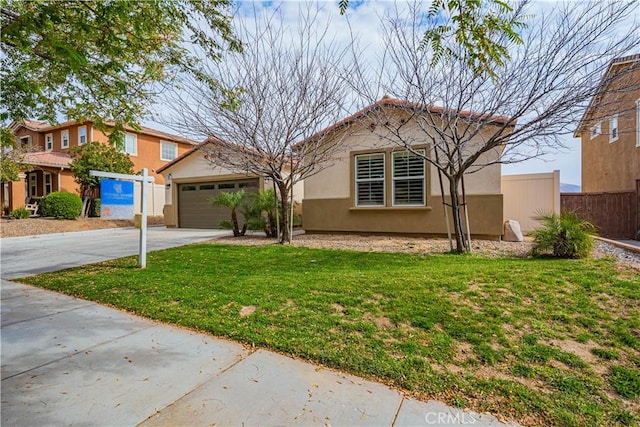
[116,199]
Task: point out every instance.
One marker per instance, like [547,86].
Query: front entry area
[194,202]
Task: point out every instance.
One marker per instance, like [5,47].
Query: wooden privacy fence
[614,214]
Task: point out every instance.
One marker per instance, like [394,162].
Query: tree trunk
[285,236]
[234,222]
[461,241]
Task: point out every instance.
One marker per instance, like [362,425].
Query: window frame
[395,179]
[48,139]
[382,179]
[81,134]
[613,119]
[33,185]
[135,144]
[47,177]
[638,123]
[171,144]
[64,133]
[29,142]
[596,130]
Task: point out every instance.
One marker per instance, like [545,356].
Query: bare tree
[473,120]
[284,88]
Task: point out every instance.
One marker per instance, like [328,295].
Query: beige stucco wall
[329,207]
[335,180]
[195,168]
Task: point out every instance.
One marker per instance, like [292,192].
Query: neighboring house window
[613,129]
[48,142]
[64,137]
[369,170]
[131,144]
[638,123]
[596,130]
[47,183]
[26,142]
[408,178]
[33,185]
[82,135]
[168,150]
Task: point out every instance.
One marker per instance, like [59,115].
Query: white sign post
[143,179]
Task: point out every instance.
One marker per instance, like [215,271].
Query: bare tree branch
[472,121]
[284,88]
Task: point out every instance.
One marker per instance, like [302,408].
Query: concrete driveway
[26,256]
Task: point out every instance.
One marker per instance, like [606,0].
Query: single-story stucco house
[375,185]
[191,181]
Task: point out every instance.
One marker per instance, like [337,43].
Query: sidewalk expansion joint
[75,353]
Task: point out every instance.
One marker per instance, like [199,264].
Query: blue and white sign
[116,199]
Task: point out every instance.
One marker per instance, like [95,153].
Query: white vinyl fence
[525,195]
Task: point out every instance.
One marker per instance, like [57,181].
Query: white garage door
[194,202]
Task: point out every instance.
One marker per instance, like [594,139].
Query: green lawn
[551,342]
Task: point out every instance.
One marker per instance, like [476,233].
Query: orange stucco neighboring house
[49,157]
[610,137]
[610,130]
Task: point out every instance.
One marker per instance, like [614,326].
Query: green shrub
[564,236]
[62,205]
[95,208]
[20,213]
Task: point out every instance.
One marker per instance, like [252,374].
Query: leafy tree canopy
[101,60]
[97,156]
[482,28]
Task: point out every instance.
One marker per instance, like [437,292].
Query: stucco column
[17,194]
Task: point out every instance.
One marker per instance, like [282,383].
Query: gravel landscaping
[425,246]
[490,248]
[37,226]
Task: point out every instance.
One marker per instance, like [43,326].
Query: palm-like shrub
[261,212]
[563,236]
[235,201]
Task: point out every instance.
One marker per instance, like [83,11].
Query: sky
[363,20]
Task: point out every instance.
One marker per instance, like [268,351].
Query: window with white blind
[408,178]
[82,135]
[48,142]
[64,138]
[613,129]
[130,144]
[369,169]
[168,150]
[596,130]
[638,123]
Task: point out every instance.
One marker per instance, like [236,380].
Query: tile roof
[34,124]
[48,158]
[42,127]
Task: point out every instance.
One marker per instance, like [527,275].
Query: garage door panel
[194,202]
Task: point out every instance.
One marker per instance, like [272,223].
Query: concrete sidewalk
[67,361]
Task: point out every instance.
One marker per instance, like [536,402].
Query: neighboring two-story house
[49,158]
[610,130]
[610,138]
